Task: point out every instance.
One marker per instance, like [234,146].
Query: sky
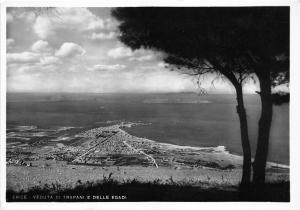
[77,50]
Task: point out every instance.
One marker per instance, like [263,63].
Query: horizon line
[67,92]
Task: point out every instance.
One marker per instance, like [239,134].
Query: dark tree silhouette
[267,44]
[237,43]
[193,40]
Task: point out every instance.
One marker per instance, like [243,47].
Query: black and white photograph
[147,103]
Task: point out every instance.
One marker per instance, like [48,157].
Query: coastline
[111,151]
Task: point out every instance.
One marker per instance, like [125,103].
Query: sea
[186,119]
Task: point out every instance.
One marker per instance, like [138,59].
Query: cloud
[137,55]
[103,36]
[43,27]
[162,65]
[32,83]
[27,14]
[44,66]
[49,60]
[69,49]
[91,81]
[120,52]
[95,24]
[142,58]
[41,47]
[24,57]
[100,67]
[106,66]
[74,19]
[146,55]
[9,18]
[9,43]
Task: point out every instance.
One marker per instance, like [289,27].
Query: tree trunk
[240,108]
[245,182]
[264,127]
